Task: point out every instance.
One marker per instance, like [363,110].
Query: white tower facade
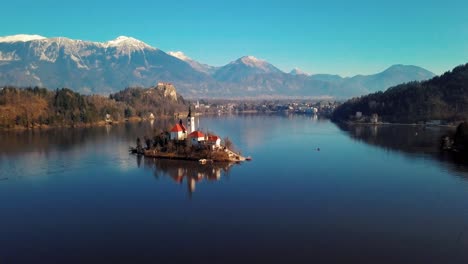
[190,122]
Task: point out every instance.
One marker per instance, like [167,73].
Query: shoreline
[395,124]
[139,119]
[183,157]
[80,125]
[232,156]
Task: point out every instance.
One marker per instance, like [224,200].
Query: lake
[315,192]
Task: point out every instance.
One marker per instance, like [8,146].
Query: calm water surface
[370,195]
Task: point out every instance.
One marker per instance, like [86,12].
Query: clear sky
[342,37]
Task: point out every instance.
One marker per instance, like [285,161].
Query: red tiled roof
[178,128]
[196,134]
[213,138]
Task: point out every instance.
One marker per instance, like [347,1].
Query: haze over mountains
[103,68]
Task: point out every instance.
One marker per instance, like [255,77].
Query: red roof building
[214,140]
[178,132]
[196,134]
[196,137]
[178,128]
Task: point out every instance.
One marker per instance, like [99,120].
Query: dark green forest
[443,97]
[35,107]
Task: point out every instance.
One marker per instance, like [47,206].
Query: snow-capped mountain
[126,45]
[205,68]
[20,38]
[123,41]
[258,64]
[90,67]
[105,67]
[244,68]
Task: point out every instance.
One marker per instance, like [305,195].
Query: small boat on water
[248,158]
[205,161]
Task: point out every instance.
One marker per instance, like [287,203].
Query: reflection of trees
[17,142]
[189,171]
[410,140]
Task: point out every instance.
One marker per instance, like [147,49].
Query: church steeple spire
[190,121]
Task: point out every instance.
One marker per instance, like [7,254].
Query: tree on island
[461,137]
[148,142]
[228,143]
[139,147]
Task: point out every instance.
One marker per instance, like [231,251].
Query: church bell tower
[190,121]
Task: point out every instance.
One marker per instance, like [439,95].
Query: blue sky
[341,37]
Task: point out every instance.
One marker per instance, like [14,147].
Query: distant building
[196,137]
[374,118]
[178,132]
[108,118]
[190,121]
[358,115]
[213,141]
[151,116]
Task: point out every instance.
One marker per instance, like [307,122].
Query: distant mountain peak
[21,38]
[180,55]
[124,41]
[412,69]
[297,71]
[102,67]
[251,60]
[402,67]
[200,67]
[399,66]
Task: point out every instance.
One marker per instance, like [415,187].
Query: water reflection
[414,141]
[250,133]
[47,152]
[60,139]
[189,172]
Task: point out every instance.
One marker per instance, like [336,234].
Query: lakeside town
[319,107]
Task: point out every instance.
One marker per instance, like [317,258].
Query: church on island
[179,132]
[186,142]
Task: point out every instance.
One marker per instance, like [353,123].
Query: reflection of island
[410,140]
[190,172]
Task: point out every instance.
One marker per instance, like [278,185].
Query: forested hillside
[443,97]
[32,107]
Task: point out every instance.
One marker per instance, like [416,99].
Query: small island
[185,142]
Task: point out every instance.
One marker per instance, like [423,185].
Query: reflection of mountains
[189,171]
[410,140]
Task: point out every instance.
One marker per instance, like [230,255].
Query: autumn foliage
[33,107]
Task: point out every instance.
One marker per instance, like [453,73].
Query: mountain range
[106,67]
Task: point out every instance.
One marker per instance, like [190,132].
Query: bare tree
[227,142]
